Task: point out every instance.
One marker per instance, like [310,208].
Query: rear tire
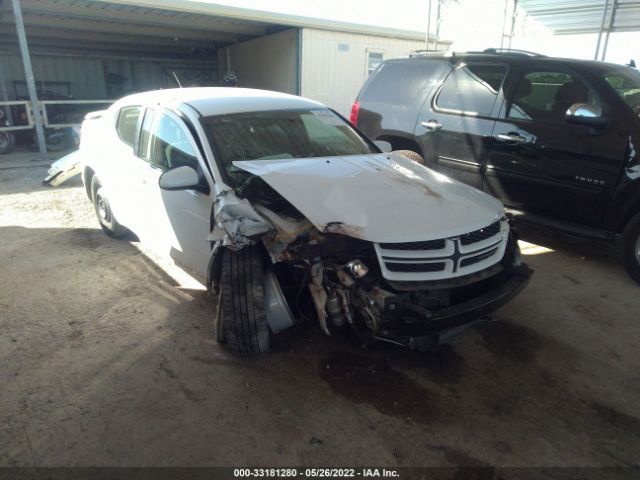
[103,211]
[631,248]
[411,155]
[241,318]
[7,142]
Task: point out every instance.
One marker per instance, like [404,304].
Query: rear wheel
[241,320]
[631,248]
[103,210]
[7,142]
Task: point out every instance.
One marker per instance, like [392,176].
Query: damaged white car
[279,204]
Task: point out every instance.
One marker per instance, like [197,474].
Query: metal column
[428,27]
[31,84]
[604,19]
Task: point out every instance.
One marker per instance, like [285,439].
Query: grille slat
[479,235]
[425,245]
[415,267]
[465,262]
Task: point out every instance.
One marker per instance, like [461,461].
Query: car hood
[378,197]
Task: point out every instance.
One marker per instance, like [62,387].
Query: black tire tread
[244,320]
[114,230]
[629,239]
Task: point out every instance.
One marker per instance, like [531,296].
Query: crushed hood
[379,198]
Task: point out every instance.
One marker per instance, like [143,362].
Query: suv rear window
[127,124]
[400,83]
[471,89]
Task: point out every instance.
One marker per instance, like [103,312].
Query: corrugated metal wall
[334,64]
[95,78]
[268,62]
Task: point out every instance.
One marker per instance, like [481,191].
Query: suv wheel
[631,248]
[241,320]
[103,210]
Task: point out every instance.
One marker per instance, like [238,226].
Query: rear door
[455,126]
[540,163]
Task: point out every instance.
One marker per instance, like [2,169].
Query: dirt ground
[107,359]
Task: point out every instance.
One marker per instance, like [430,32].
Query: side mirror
[383,145]
[586,114]
[181,178]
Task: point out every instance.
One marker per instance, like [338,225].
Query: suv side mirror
[181,178]
[586,114]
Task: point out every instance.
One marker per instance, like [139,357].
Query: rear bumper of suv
[436,324]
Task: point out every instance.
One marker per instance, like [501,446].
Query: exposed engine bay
[342,274]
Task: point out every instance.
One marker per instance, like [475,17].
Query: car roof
[220,100]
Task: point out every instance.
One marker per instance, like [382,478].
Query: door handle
[431,125]
[510,138]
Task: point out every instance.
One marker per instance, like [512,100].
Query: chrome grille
[443,258]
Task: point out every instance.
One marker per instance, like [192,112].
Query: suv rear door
[455,125]
[540,163]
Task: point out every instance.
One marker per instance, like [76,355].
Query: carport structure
[103,50]
[572,17]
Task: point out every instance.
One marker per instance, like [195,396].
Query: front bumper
[435,324]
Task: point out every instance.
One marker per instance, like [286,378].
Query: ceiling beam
[132,41]
[149,17]
[38,20]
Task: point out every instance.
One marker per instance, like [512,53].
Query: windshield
[281,134]
[627,84]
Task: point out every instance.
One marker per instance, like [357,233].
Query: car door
[455,126]
[120,169]
[179,219]
[539,162]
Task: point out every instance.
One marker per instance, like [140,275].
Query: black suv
[555,139]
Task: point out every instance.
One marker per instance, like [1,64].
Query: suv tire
[103,211]
[411,155]
[241,320]
[631,248]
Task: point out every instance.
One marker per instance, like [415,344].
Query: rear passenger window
[400,83]
[545,96]
[471,89]
[127,124]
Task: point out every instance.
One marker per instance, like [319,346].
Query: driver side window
[165,143]
[545,96]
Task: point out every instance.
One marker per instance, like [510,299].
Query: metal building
[103,50]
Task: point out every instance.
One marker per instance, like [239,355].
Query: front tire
[103,211]
[7,142]
[241,320]
[631,248]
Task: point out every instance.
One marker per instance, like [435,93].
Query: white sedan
[278,203]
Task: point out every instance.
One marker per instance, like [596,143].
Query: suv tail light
[353,118]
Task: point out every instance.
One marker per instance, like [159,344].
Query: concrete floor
[107,359]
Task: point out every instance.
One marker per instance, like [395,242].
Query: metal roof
[585,16]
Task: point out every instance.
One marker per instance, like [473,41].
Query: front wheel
[241,320]
[631,248]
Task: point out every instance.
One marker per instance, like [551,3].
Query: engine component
[334,309]
[357,268]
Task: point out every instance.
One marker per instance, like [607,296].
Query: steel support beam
[612,19]
[604,19]
[31,84]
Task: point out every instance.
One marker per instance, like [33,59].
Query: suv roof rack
[509,51]
[426,53]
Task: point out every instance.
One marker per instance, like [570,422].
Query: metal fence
[18,115]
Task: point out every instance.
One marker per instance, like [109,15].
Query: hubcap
[102,208]
[4,140]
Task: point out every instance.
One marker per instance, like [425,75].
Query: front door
[540,163]
[456,125]
[179,219]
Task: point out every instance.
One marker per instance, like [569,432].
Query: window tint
[546,96]
[400,83]
[166,143]
[283,134]
[127,123]
[626,84]
[471,89]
